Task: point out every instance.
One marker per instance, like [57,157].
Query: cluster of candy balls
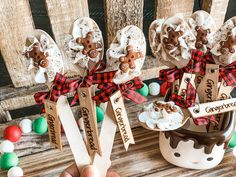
[13,133]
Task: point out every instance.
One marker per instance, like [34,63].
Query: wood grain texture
[62,14]
[15,98]
[217,9]
[167,8]
[120,13]
[16,24]
[142,159]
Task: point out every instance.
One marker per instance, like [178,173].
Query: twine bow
[127,90]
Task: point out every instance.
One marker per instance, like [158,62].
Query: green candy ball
[40,125]
[8,160]
[100,114]
[232,142]
[144,90]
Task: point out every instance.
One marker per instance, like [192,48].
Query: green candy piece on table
[100,114]
[232,142]
[8,160]
[144,90]
[40,125]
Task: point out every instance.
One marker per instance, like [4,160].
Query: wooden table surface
[37,158]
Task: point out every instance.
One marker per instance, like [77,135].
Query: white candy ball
[154,88]
[15,172]
[234,151]
[6,146]
[26,125]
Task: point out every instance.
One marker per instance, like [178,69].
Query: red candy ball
[164,88]
[12,133]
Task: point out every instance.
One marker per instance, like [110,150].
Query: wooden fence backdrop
[16,22]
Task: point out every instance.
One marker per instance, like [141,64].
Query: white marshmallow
[6,146]
[26,125]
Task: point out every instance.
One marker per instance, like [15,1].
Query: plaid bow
[189,102]
[127,90]
[228,73]
[170,75]
[198,62]
[53,94]
[91,79]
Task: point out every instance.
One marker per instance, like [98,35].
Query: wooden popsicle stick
[107,135]
[54,125]
[73,134]
[87,106]
[212,108]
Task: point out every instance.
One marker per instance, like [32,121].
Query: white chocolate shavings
[133,36]
[162,118]
[54,58]
[221,35]
[74,50]
[206,22]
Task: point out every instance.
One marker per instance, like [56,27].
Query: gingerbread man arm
[127,62]
[227,46]
[90,47]
[172,40]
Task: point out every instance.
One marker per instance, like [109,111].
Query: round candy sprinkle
[144,90]
[12,133]
[154,88]
[232,142]
[164,88]
[100,114]
[6,146]
[15,172]
[8,160]
[40,125]
[26,125]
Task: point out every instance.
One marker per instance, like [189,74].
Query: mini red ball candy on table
[12,133]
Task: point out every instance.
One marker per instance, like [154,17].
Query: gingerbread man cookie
[127,62]
[90,47]
[159,106]
[172,40]
[39,58]
[227,46]
[201,37]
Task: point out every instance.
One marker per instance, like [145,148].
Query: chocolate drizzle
[207,140]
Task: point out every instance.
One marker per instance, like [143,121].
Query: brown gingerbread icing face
[39,58]
[127,62]
[172,40]
[201,37]
[227,46]
[90,47]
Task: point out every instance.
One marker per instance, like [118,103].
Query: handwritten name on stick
[54,125]
[89,119]
[122,119]
[212,108]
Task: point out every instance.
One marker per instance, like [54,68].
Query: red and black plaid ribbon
[127,90]
[228,74]
[198,62]
[54,93]
[189,102]
[92,78]
[170,75]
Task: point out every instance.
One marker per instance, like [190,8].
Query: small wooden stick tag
[54,125]
[175,86]
[183,85]
[223,94]
[107,136]
[90,120]
[212,108]
[207,90]
[122,119]
[73,134]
